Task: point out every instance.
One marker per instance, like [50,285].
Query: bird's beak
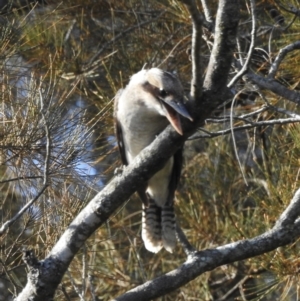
[173,110]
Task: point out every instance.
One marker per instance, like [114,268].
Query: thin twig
[197,20]
[10,278]
[241,282]
[290,24]
[281,55]
[9,254]
[270,44]
[251,47]
[243,117]
[84,269]
[187,247]
[92,287]
[172,50]
[283,111]
[137,256]
[48,139]
[234,141]
[76,288]
[244,127]
[240,53]
[8,223]
[207,12]
[292,9]
[69,31]
[226,117]
[65,293]
[20,178]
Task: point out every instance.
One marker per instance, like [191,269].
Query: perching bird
[152,99]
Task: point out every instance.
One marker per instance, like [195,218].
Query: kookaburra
[152,99]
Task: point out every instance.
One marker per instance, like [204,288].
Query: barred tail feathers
[151,227]
[168,228]
[158,227]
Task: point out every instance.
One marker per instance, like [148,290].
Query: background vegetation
[61,64]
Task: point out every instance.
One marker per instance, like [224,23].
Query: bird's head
[165,95]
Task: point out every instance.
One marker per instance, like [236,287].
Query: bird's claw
[118,171]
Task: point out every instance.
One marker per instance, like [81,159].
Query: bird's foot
[118,171]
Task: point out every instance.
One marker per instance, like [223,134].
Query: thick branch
[150,160]
[224,45]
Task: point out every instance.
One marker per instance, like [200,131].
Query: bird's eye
[163,93]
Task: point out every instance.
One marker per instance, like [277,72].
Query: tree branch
[274,86]
[10,222]
[251,48]
[281,55]
[150,160]
[206,11]
[224,45]
[187,247]
[244,127]
[203,261]
[197,20]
